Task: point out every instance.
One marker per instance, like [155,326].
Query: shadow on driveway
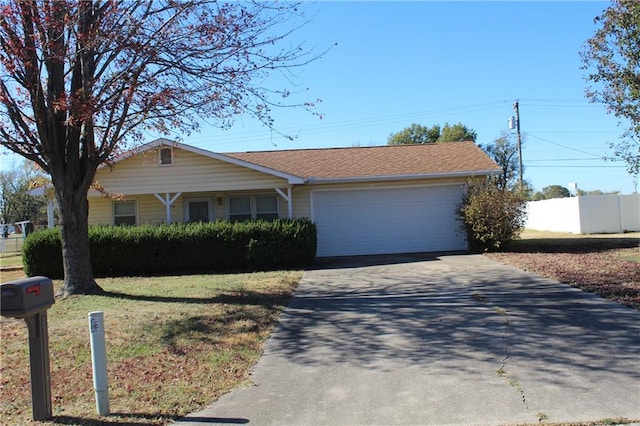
[441,339]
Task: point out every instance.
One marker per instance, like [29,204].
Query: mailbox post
[29,299]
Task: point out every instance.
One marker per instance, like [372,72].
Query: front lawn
[607,265]
[174,344]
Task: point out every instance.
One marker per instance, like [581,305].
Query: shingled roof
[443,159]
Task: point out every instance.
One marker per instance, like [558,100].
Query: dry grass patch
[607,265]
[174,344]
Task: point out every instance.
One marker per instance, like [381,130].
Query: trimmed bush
[181,248]
[42,254]
[492,218]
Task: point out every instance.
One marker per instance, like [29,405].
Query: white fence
[592,214]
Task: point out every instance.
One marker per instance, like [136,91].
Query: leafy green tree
[15,202]
[505,153]
[491,217]
[612,60]
[457,133]
[415,134]
[82,81]
[419,134]
[584,193]
[551,191]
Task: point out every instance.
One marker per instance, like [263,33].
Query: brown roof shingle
[376,161]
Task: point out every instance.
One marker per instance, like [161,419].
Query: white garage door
[391,220]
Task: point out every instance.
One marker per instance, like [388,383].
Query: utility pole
[516,107]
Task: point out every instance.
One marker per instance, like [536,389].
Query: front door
[199,211]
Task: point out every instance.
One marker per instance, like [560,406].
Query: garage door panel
[396,220]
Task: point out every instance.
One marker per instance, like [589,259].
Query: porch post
[167,201]
[287,197]
[50,216]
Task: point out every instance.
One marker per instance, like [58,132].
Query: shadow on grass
[121,419]
[571,245]
[241,312]
[217,420]
[238,298]
[114,419]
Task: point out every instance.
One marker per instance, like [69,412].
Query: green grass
[10,260]
[174,344]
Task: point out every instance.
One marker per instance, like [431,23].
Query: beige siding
[151,210]
[100,211]
[301,203]
[190,172]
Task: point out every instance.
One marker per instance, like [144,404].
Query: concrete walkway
[463,340]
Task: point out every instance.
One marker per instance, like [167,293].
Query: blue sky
[398,63]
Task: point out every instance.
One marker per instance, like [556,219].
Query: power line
[565,146]
[572,159]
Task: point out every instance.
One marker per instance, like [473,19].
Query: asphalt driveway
[425,340]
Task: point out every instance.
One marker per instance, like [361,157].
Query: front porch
[156,208]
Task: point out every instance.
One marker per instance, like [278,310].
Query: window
[267,207]
[124,213]
[239,208]
[166,156]
[253,207]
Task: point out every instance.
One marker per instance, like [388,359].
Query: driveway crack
[506,334]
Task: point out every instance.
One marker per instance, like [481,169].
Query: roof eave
[466,174]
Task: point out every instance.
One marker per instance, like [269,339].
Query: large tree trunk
[74,212]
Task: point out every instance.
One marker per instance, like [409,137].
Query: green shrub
[42,254]
[181,248]
[492,218]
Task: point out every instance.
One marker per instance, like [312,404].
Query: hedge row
[180,248]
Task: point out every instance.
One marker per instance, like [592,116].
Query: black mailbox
[26,297]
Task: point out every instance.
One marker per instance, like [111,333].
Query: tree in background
[505,153]
[419,134]
[457,133]
[81,81]
[612,58]
[583,193]
[551,191]
[15,202]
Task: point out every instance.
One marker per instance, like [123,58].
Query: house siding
[99,211]
[191,172]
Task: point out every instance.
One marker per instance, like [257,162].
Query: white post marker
[99,362]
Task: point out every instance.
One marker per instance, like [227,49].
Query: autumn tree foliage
[611,58]
[492,217]
[81,81]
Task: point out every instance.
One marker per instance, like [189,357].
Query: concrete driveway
[455,339]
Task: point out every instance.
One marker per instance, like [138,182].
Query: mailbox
[26,297]
[29,299]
